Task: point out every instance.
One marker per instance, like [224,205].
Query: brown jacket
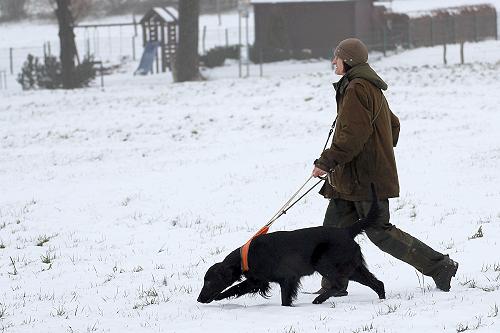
[365,134]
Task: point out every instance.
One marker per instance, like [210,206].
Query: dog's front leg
[288,291]
[238,290]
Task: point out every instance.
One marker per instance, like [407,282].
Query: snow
[134,190]
[417,5]
[168,14]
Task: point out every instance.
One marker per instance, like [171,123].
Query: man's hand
[317,172]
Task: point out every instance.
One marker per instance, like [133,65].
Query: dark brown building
[285,29]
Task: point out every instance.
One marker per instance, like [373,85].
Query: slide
[147,59]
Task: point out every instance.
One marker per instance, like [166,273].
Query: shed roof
[166,14]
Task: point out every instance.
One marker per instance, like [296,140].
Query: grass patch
[48,258]
[42,240]
[3,311]
[478,234]
[494,311]
[137,269]
[390,308]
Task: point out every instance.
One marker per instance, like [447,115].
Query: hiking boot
[326,286]
[338,293]
[447,271]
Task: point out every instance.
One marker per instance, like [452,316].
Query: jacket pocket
[343,178]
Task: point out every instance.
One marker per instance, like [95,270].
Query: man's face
[339,65]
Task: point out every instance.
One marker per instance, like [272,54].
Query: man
[362,153]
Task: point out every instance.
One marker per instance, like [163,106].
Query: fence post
[444,54]
[217,8]
[261,70]
[409,34]
[462,52]
[475,27]
[133,47]
[384,41]
[247,45]
[239,44]
[135,24]
[227,37]
[88,47]
[48,48]
[11,57]
[203,38]
[102,75]
[432,32]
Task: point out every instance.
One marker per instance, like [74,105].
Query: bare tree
[13,9]
[186,67]
[67,41]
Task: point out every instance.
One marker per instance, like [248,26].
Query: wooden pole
[248,45]
[444,54]
[203,38]
[239,44]
[261,70]
[462,52]
[11,57]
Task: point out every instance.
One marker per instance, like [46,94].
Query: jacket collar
[362,71]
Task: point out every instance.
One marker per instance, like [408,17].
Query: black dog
[286,256]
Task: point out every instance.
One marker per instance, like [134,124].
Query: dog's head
[218,277]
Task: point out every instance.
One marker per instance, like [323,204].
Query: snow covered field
[115,202]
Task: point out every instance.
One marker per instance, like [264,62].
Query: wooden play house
[159,26]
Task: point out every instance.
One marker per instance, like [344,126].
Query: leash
[289,204]
[330,132]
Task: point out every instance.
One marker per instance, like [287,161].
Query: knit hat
[352,51]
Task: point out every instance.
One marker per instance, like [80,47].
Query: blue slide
[148,57]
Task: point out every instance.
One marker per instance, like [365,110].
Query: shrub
[276,54]
[216,56]
[84,73]
[28,76]
[48,75]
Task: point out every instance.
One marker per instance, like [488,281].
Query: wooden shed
[297,26]
[160,24]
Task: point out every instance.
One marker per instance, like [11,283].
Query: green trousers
[342,213]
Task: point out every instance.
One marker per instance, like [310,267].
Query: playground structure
[159,32]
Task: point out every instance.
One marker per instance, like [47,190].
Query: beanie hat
[352,51]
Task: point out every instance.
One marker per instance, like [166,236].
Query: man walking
[362,153]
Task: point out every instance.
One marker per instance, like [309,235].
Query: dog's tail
[365,222]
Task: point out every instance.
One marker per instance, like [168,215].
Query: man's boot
[445,272]
[325,286]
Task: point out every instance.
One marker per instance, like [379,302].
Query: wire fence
[113,44]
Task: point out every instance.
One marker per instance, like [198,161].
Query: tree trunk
[67,41]
[186,57]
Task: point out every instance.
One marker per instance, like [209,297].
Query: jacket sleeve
[355,130]
[395,129]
